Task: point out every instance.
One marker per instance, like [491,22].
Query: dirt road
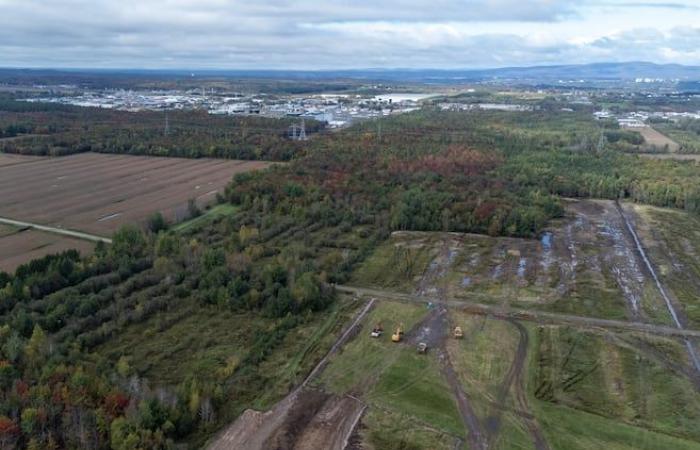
[505,312]
[61,231]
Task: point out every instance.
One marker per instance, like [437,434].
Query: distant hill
[588,72]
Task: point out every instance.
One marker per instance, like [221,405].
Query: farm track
[529,315]
[61,231]
[529,419]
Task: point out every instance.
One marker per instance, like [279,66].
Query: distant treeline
[58,130]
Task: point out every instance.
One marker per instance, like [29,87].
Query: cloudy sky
[334,34]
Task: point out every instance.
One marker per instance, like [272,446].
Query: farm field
[18,246]
[11,160]
[658,141]
[97,193]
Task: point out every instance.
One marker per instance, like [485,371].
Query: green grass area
[386,430]
[672,241]
[208,216]
[567,428]
[482,357]
[393,377]
[589,372]
[412,384]
[398,262]
[363,357]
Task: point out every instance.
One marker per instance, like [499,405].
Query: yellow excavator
[398,334]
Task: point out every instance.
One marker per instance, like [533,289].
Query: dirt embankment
[308,419]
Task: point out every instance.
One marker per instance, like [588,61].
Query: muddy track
[493,422]
[521,394]
[514,379]
[475,434]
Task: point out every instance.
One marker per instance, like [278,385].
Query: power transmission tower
[166,130]
[302,133]
[601,142]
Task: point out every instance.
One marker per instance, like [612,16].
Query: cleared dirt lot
[19,246]
[655,139]
[97,193]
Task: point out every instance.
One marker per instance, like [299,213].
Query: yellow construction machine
[398,334]
[458,333]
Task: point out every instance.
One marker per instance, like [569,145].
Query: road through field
[61,231]
[526,314]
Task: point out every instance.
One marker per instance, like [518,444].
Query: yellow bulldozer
[398,334]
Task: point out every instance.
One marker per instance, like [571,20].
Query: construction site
[498,343]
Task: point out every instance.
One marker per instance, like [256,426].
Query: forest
[297,228]
[56,130]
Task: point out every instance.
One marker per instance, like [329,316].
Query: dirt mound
[307,419]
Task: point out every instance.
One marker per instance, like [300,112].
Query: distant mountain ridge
[590,72]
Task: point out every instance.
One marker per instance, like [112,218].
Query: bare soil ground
[308,419]
[17,247]
[97,193]
[658,140]
[10,160]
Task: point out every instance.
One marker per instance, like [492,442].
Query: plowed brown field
[97,193]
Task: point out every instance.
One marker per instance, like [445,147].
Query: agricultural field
[97,193]
[18,246]
[659,142]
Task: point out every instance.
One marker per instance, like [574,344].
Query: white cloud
[310,34]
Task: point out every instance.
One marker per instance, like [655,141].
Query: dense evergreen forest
[297,228]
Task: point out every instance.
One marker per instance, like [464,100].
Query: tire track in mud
[520,392]
[514,380]
[476,435]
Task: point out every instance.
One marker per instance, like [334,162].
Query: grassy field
[398,263]
[586,388]
[210,215]
[672,239]
[688,141]
[405,390]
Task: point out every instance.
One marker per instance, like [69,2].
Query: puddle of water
[522,265]
[547,241]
